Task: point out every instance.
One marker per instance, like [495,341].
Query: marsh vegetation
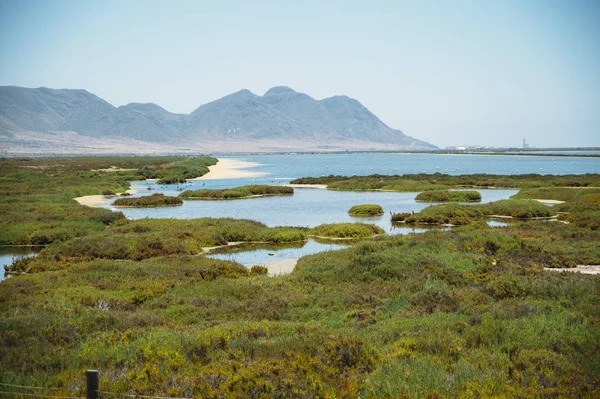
[449,196]
[237,192]
[148,201]
[467,312]
[366,210]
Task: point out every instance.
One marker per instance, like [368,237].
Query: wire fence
[92,380]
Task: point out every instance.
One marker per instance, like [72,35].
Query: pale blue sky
[448,72]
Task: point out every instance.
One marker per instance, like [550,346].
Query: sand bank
[228,168]
[317,186]
[585,269]
[95,201]
[549,201]
[280,267]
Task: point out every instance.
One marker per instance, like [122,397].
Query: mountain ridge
[280,120]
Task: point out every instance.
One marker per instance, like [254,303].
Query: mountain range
[76,121]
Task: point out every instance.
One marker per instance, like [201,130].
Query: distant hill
[76,121]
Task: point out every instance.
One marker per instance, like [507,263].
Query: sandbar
[317,186]
[550,201]
[95,201]
[584,269]
[229,168]
[280,267]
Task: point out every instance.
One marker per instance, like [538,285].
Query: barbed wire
[35,395]
[29,387]
[138,396]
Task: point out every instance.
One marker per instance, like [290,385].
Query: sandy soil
[318,186]
[280,267]
[549,201]
[585,269]
[94,201]
[227,168]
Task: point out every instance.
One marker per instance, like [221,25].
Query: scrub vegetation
[365,210]
[237,192]
[449,196]
[439,181]
[457,214]
[467,312]
[36,194]
[148,201]
[346,230]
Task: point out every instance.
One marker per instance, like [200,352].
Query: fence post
[93,383]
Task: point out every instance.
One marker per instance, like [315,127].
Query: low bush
[237,192]
[449,196]
[366,210]
[346,230]
[148,201]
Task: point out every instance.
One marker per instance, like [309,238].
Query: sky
[455,72]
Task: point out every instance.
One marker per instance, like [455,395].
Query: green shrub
[149,201]
[237,192]
[366,210]
[346,230]
[449,196]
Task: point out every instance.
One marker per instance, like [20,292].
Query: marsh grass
[459,313]
[449,196]
[148,201]
[365,210]
[346,230]
[439,181]
[36,194]
[468,312]
[458,214]
[237,192]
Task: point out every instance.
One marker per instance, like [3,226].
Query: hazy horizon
[450,73]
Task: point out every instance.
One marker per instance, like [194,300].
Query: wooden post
[93,384]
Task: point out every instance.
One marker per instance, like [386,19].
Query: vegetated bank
[449,196]
[346,230]
[241,192]
[36,194]
[439,181]
[459,214]
[148,201]
[366,210]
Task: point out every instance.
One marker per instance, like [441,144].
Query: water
[301,165]
[249,255]
[9,254]
[308,207]
[495,223]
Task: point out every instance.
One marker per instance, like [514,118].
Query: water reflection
[261,254]
[8,255]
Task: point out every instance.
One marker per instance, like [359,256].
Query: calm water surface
[9,254]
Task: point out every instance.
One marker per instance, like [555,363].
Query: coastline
[230,168]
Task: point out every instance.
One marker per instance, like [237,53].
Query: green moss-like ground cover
[237,192]
[449,196]
[365,210]
[439,181]
[458,214]
[148,201]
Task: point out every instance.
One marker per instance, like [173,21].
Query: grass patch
[148,201]
[365,210]
[439,181]
[346,230]
[449,196]
[458,214]
[237,192]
